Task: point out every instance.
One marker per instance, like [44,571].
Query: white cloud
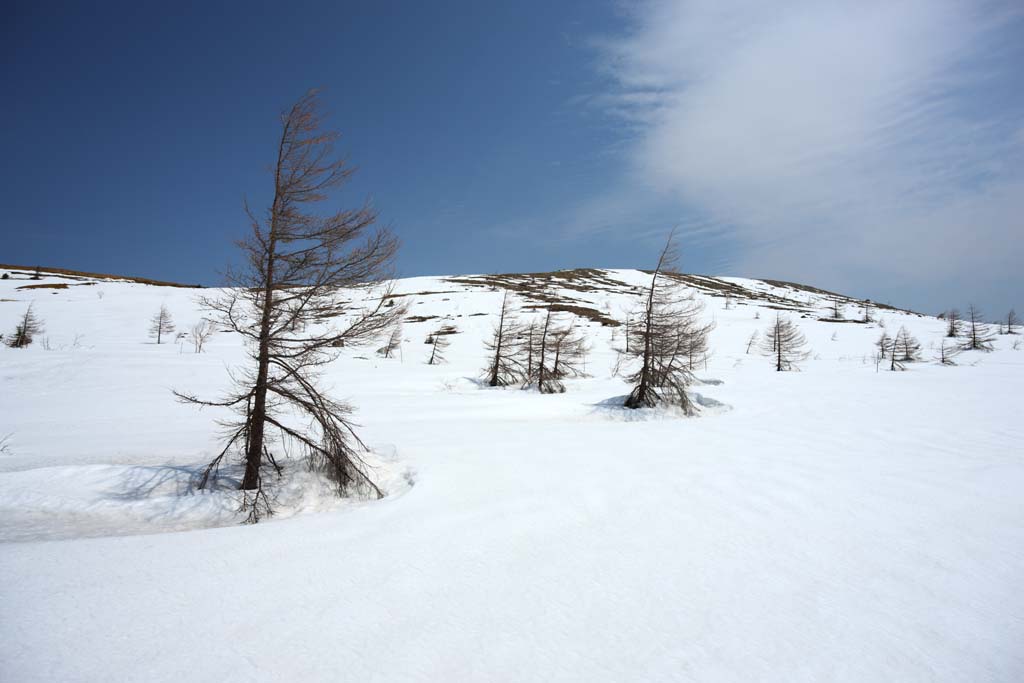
[832,140]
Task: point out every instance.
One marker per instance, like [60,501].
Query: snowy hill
[838,523]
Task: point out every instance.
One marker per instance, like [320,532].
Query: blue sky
[875,148]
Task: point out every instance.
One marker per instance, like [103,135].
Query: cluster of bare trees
[665,339]
[291,304]
[26,330]
[537,355]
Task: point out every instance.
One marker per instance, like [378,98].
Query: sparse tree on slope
[25,331]
[394,342]
[785,344]
[311,285]
[555,352]
[976,335]
[947,353]
[161,324]
[666,337]
[904,349]
[505,366]
[201,333]
[438,345]
[1012,321]
[953,323]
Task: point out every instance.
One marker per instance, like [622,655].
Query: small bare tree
[975,335]
[161,324]
[837,308]
[311,285]
[947,353]
[555,352]
[394,342]
[25,331]
[903,349]
[505,364]
[666,338]
[201,333]
[866,314]
[438,345]
[884,344]
[952,323]
[752,340]
[1012,321]
[785,344]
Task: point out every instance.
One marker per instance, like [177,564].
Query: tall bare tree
[785,344]
[310,285]
[505,364]
[25,331]
[975,335]
[665,338]
[161,324]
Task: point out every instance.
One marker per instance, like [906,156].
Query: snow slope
[839,523]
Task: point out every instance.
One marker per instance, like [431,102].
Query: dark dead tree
[666,338]
[1012,321]
[975,335]
[837,310]
[25,331]
[953,323]
[311,285]
[569,348]
[866,314]
[947,353]
[555,352]
[785,344]
[438,345]
[505,364]
[903,349]
[883,343]
[394,342]
[161,324]
[752,340]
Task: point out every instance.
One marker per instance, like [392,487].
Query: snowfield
[842,523]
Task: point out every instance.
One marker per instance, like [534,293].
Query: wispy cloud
[836,141]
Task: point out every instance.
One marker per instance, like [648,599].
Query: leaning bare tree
[393,344]
[975,335]
[310,285]
[438,346]
[161,324]
[785,344]
[505,364]
[25,331]
[665,338]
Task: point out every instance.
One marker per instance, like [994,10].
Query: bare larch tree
[903,349]
[1012,321]
[785,344]
[438,345]
[555,352]
[504,350]
[952,323]
[310,285]
[161,324]
[665,338]
[201,333]
[394,342]
[947,353]
[975,335]
[25,331]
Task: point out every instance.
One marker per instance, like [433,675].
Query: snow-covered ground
[840,523]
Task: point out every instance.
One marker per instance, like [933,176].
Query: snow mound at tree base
[81,501]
